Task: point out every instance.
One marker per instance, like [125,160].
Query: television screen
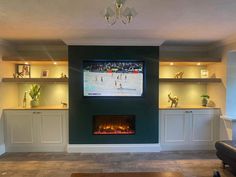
[113,78]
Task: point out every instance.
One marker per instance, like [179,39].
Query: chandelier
[119,13]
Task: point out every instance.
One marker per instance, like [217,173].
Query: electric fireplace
[114,124]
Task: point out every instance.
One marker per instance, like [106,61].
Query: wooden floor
[190,164]
[129,174]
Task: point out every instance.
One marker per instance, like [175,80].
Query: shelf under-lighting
[35,80]
[206,80]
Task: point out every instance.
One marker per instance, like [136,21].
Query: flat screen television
[113,78]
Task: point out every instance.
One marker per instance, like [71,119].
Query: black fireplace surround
[140,114]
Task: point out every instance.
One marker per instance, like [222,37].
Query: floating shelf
[36,80]
[186,64]
[40,63]
[205,80]
[189,59]
[34,58]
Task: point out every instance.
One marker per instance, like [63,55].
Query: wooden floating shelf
[36,80]
[189,59]
[186,64]
[34,58]
[40,63]
[205,80]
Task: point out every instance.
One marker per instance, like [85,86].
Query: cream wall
[217,92]
[54,70]
[51,94]
[220,69]
[8,91]
[1,130]
[176,51]
[189,71]
[189,94]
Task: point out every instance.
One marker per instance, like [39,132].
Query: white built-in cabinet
[189,129]
[36,130]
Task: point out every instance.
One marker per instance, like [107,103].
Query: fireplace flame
[114,129]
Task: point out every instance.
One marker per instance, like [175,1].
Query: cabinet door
[174,127]
[19,128]
[202,127]
[50,127]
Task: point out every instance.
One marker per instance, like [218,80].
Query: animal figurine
[174,100]
[179,75]
[64,105]
[63,75]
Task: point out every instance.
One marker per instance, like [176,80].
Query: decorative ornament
[179,75]
[205,100]
[34,93]
[174,100]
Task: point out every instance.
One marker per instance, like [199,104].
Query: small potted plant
[205,99]
[34,93]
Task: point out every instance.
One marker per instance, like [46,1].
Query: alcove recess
[54,87]
[191,86]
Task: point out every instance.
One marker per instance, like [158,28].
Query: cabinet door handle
[36,112]
[188,111]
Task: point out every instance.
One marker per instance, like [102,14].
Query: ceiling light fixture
[171,64]
[54,63]
[119,13]
[198,64]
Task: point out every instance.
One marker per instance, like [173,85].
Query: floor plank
[129,174]
[189,163]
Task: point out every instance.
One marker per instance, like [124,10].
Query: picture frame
[204,73]
[44,73]
[23,70]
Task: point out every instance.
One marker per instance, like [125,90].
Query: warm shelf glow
[41,63]
[206,80]
[35,80]
[186,63]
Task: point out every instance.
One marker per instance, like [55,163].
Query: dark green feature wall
[82,109]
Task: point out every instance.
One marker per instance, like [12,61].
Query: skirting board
[36,149]
[112,148]
[2,149]
[186,147]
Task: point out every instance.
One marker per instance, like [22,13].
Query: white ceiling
[172,20]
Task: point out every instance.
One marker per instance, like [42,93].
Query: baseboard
[2,149]
[36,149]
[112,148]
[186,147]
